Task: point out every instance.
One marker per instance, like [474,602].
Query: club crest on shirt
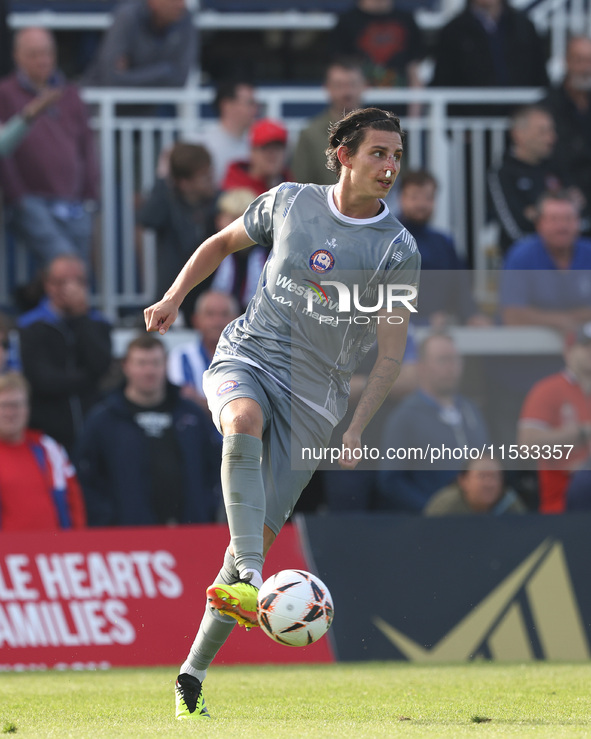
[226,386]
[322,261]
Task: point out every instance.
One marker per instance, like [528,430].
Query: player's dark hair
[350,132]
[187,159]
[418,177]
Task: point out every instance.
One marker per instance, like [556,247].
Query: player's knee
[242,418]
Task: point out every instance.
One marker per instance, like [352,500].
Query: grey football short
[289,426]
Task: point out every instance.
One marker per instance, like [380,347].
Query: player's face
[380,152]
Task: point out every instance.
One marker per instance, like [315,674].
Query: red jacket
[39,490]
[238,176]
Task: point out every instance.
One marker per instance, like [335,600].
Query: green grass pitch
[352,700]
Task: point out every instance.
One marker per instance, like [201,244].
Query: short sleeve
[258,218]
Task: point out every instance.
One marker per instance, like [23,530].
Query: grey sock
[213,632]
[244,497]
[214,628]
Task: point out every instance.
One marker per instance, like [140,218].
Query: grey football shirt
[297,329]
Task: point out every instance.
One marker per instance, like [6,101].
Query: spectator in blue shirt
[546,278]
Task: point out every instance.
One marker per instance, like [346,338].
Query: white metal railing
[129,149]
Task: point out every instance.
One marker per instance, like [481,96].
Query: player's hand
[160,316]
[351,441]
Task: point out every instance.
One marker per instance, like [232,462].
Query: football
[294,608]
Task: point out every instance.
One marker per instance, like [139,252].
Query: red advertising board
[124,597]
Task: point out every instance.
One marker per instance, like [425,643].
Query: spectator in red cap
[555,421]
[266,166]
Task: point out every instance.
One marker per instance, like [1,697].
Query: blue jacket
[419,422]
[112,460]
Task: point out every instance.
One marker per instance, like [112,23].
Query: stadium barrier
[508,589]
[123,597]
[456,589]
[457,150]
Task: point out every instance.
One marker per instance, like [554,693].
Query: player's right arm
[205,260]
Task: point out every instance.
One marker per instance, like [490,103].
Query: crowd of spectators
[137,430]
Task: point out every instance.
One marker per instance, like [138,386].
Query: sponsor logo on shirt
[227,386]
[322,261]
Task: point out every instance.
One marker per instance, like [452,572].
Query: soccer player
[279,380]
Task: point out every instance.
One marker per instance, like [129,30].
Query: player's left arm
[391,334]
